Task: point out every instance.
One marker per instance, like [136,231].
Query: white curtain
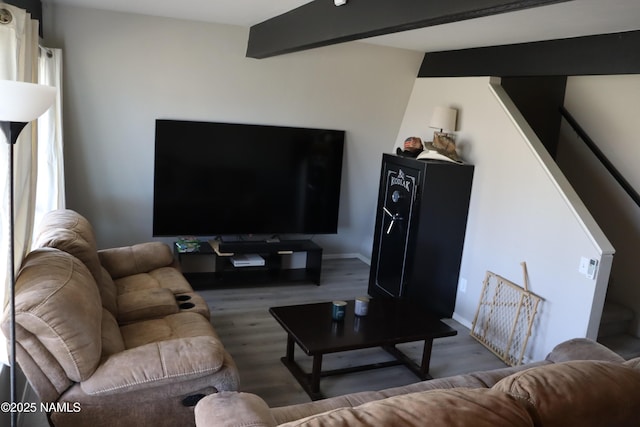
[50,172]
[19,52]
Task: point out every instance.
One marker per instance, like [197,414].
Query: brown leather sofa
[101,334]
[581,383]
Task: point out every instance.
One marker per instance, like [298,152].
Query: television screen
[218,179]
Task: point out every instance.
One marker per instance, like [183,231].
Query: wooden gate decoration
[505,316]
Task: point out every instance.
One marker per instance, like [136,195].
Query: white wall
[123,71]
[519,211]
[613,126]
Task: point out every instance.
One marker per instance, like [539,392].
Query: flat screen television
[228,179]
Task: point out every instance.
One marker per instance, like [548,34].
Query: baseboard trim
[462,320]
[346,256]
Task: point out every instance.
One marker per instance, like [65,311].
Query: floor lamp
[20,103]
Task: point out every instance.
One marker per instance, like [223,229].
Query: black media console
[274,269]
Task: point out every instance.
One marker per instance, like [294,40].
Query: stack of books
[188,244]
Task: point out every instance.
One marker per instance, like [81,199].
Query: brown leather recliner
[101,372]
[74,353]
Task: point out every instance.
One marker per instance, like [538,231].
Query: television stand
[276,255]
[251,238]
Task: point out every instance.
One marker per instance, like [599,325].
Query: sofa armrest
[633,363]
[136,259]
[156,364]
[146,304]
[582,349]
[233,409]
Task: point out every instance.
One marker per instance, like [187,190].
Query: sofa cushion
[233,409]
[69,231]
[579,393]
[54,295]
[69,220]
[108,292]
[72,242]
[165,277]
[294,412]
[179,325]
[140,258]
[112,342]
[582,349]
[157,364]
[455,407]
[489,378]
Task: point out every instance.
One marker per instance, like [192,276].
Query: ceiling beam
[321,23]
[602,54]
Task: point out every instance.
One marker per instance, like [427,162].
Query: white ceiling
[236,12]
[564,20]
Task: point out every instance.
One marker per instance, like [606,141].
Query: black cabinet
[419,233]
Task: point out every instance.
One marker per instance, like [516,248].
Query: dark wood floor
[256,341]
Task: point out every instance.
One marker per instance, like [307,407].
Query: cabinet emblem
[401,181]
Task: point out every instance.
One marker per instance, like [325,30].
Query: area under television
[230,179]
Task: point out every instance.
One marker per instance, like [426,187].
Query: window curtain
[19,60]
[50,169]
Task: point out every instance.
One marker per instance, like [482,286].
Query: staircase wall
[606,107]
[522,209]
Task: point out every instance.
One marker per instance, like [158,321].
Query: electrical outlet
[462,285]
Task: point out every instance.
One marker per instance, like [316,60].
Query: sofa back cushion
[57,303]
[69,231]
[140,258]
[459,407]
[579,393]
[582,349]
[68,220]
[112,341]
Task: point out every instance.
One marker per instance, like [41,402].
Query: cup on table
[362,306]
[339,309]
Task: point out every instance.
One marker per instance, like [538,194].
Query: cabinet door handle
[393,221]
[394,217]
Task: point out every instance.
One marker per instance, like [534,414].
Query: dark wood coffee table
[389,322]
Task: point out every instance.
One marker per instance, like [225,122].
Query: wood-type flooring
[256,341]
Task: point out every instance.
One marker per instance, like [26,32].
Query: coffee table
[389,322]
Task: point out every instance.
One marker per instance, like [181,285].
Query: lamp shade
[444,118]
[24,102]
